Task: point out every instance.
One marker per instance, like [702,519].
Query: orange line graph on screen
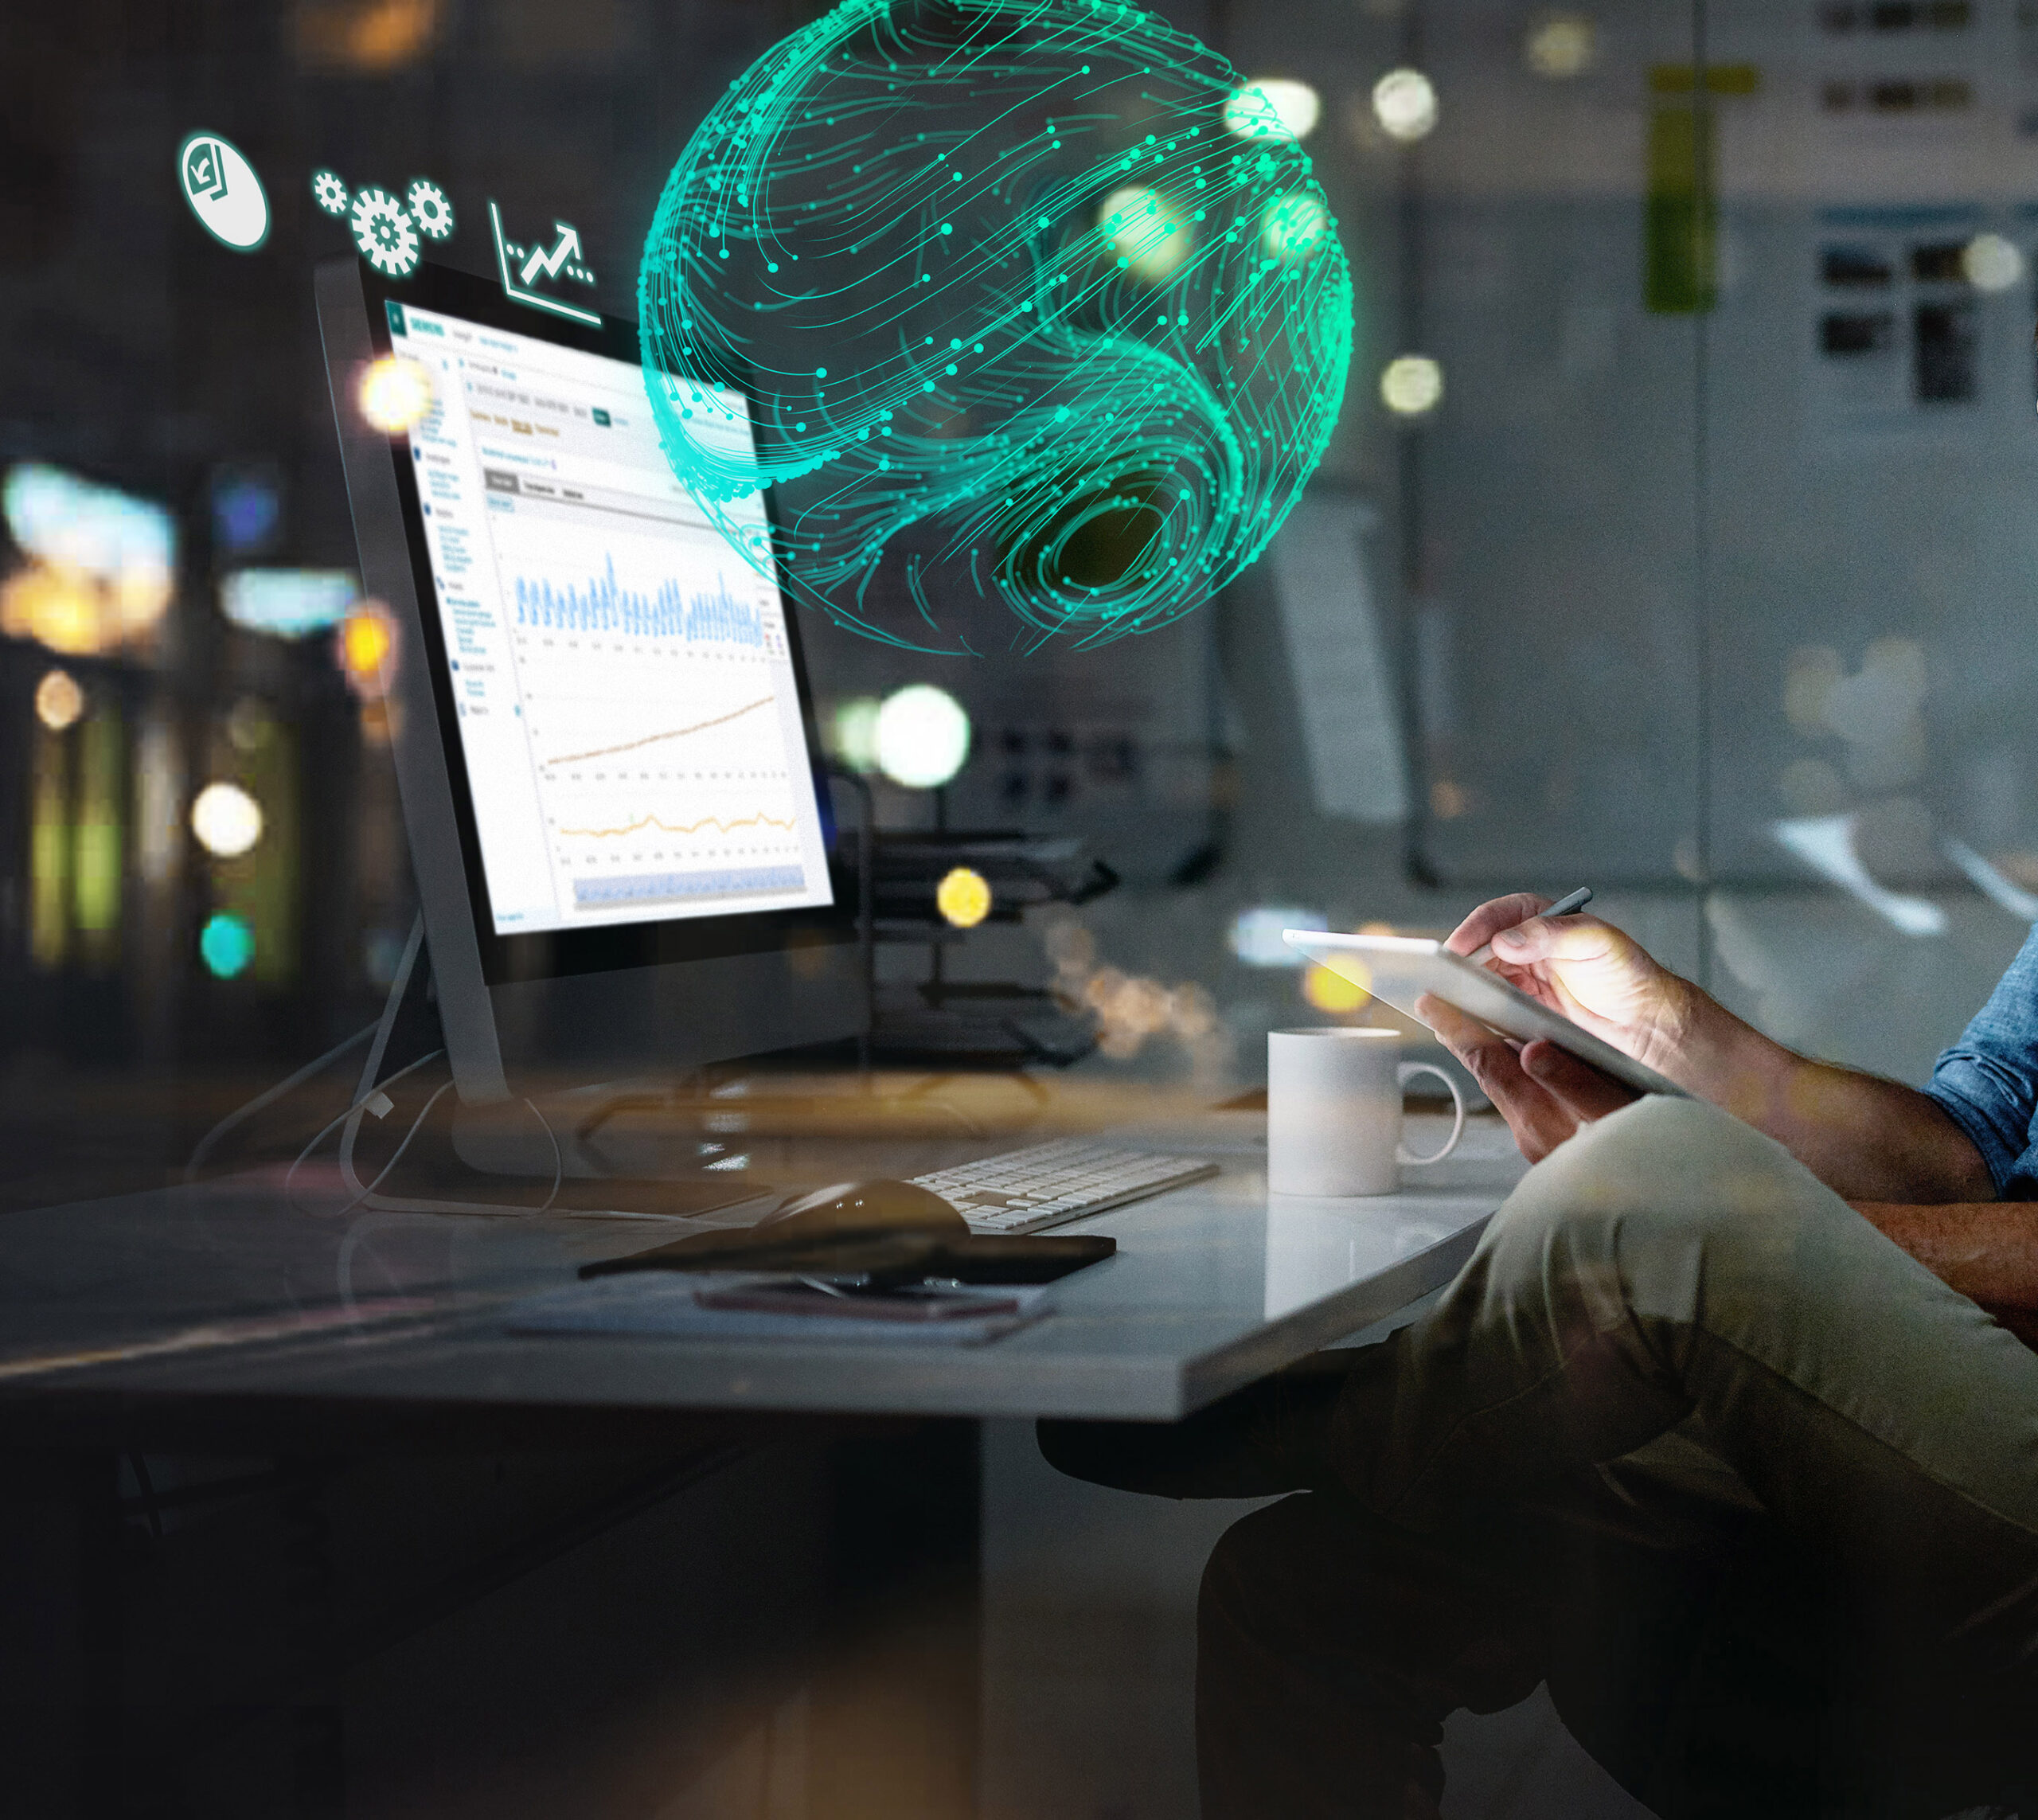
[670,733]
[759,820]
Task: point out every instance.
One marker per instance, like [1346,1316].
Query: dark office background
[1708,581]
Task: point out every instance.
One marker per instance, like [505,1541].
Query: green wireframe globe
[1029,319]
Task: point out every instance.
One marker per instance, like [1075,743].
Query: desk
[1214,1285]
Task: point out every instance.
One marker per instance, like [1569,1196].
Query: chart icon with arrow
[523,266]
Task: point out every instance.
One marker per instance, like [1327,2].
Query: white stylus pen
[1563,907]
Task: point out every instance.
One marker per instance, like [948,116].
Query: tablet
[1399,968]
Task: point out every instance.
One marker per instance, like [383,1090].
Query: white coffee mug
[1334,1112]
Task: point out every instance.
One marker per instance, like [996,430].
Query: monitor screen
[624,682]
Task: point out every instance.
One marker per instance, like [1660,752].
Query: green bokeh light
[226,945]
[1023,322]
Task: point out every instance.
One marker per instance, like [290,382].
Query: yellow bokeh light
[395,393]
[1339,992]
[366,638]
[963,897]
[59,701]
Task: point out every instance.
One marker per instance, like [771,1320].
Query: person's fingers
[1580,1088]
[1480,927]
[1538,1120]
[1578,938]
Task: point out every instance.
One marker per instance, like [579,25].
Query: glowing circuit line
[653,738]
[684,827]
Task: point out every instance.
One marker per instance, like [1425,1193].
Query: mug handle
[1408,1071]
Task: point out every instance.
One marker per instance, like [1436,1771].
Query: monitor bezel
[610,946]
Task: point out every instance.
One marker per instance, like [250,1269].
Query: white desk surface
[222,1291]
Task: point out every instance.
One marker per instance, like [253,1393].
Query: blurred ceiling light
[1404,104]
[1295,226]
[963,897]
[1256,934]
[1275,107]
[59,701]
[1560,45]
[369,36]
[226,820]
[395,393]
[363,646]
[1338,994]
[1146,230]
[226,945]
[923,736]
[852,733]
[1411,386]
[287,603]
[1991,263]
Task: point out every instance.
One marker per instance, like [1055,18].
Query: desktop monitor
[603,732]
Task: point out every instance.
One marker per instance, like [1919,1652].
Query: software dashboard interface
[626,702]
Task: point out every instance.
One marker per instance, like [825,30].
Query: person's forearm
[1867,1139]
[1989,1252]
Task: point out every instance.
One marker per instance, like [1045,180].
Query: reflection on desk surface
[230,1287]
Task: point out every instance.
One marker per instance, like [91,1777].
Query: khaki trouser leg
[1669,1262]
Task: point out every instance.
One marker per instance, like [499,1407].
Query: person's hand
[1545,1094]
[1598,976]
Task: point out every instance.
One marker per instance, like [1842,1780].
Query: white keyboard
[1051,1184]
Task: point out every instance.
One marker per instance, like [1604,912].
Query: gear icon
[328,192]
[430,209]
[382,230]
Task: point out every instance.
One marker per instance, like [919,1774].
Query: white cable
[244,1113]
[359,1105]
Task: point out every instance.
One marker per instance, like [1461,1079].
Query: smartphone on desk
[911,1303]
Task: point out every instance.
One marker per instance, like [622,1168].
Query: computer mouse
[862,1207]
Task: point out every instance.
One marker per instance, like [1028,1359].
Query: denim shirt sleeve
[1988,1081]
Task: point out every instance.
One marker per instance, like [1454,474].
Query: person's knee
[1675,1165]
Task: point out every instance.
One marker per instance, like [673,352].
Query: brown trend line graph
[760,819]
[653,738]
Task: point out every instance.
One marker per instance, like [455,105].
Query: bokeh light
[396,394]
[923,736]
[1404,102]
[1411,386]
[963,897]
[1255,935]
[1295,228]
[59,701]
[226,820]
[101,565]
[853,733]
[363,646]
[1338,991]
[226,945]
[1560,45]
[1295,106]
[1991,263]
[1142,227]
[969,386]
